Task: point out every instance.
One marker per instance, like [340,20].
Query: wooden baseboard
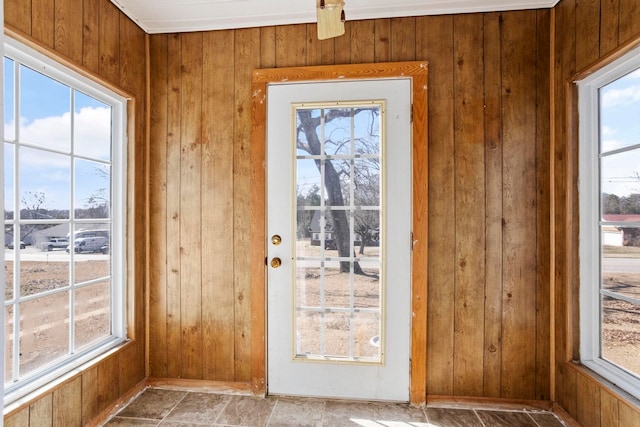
[116,406]
[222,387]
[488,403]
[564,416]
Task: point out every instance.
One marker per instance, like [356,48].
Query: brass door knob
[276,262]
[276,240]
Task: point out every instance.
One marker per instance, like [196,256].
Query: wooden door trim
[417,71]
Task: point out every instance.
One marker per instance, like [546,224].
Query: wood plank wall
[489,109]
[94,36]
[586,31]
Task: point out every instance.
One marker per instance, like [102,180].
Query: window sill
[24,401]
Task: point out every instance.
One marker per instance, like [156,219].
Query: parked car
[54,243]
[90,244]
[22,245]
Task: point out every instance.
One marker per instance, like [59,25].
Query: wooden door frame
[417,71]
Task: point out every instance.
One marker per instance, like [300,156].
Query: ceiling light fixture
[330,18]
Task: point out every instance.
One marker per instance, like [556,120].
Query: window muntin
[610,221]
[65,193]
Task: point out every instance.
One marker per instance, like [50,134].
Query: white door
[339,237]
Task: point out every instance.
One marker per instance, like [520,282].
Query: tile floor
[172,408]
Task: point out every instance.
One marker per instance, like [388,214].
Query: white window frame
[51,68]
[590,220]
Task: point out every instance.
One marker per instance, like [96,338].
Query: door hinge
[411,119]
[412,242]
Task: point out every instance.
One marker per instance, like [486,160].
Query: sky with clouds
[45,122]
[619,129]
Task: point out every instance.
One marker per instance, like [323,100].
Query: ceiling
[168,16]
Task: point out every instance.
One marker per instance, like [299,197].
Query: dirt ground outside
[44,320]
[47,330]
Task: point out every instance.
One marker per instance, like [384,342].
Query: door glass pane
[338,251]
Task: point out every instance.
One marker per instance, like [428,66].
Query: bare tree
[337,177]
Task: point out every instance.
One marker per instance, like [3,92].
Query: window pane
[8,344]
[620,333]
[619,110]
[46,274]
[92,311]
[9,194]
[45,182]
[9,100]
[45,331]
[91,248]
[620,180]
[92,186]
[621,260]
[91,127]
[337,131]
[45,111]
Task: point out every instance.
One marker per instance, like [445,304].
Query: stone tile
[446,417]
[131,422]
[546,419]
[296,412]
[339,413]
[153,404]
[198,408]
[505,419]
[246,411]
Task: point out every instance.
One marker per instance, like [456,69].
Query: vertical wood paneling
[173,167]
[342,45]
[403,39]
[191,206]
[132,41]
[91,35]
[382,28]
[109,46]
[41,412]
[83,36]
[609,18]
[519,204]
[576,27]
[68,29]
[609,413]
[89,395]
[587,25]
[217,200]
[435,44]
[17,14]
[543,203]
[314,46]
[18,419]
[158,238]
[493,199]
[290,45]
[588,404]
[469,222]
[247,57]
[629,20]
[628,416]
[67,407]
[42,25]
[362,42]
[108,383]
[267,47]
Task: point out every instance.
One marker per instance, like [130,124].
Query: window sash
[26,56]
[590,247]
